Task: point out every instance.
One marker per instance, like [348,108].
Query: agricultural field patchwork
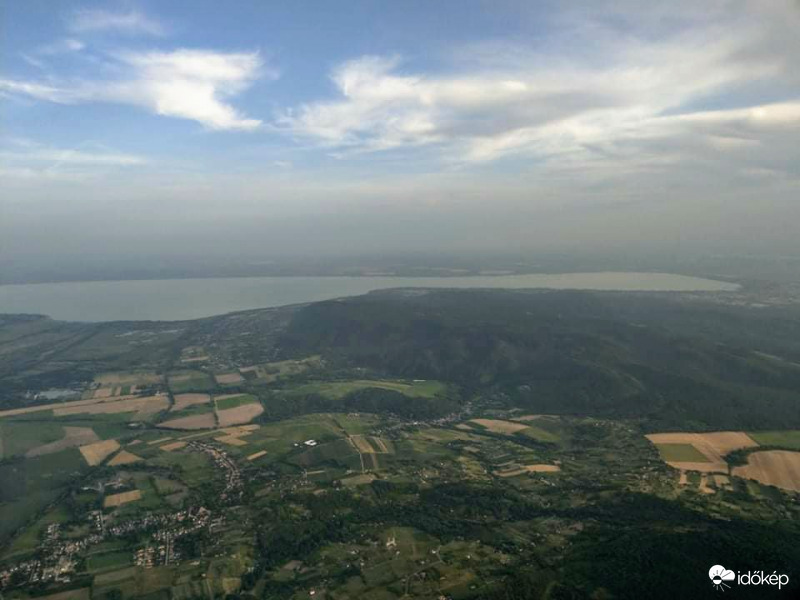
[700,451]
[236,409]
[96,453]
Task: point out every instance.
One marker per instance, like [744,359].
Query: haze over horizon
[208,129]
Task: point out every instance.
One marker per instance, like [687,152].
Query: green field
[108,561]
[787,439]
[31,484]
[540,434]
[681,453]
[234,401]
[17,437]
[340,389]
[190,381]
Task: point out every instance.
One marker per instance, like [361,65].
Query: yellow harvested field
[542,468]
[102,392]
[205,421]
[239,415]
[141,406]
[173,446]
[123,458]
[704,487]
[231,440]
[498,426]
[256,455]
[224,378]
[533,417]
[780,468]
[73,437]
[184,400]
[96,453]
[123,498]
[683,479]
[713,446]
[52,406]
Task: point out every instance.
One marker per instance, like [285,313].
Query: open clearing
[124,458]
[185,400]
[96,453]
[128,378]
[788,439]
[370,444]
[340,389]
[173,446]
[256,455]
[53,406]
[780,468]
[73,437]
[228,378]
[712,446]
[123,498]
[204,421]
[538,468]
[143,407]
[231,440]
[239,415]
[680,453]
[227,401]
[498,426]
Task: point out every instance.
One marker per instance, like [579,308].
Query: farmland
[700,451]
[266,456]
[780,468]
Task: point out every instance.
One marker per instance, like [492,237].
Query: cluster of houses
[233,478]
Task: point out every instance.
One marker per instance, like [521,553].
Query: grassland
[786,439]
[181,382]
[681,453]
[18,437]
[31,484]
[227,402]
[340,389]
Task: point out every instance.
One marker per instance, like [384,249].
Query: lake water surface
[176,299]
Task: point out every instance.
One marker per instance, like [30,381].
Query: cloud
[25,159]
[635,98]
[184,83]
[131,22]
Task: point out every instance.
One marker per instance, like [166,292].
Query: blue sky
[483,112]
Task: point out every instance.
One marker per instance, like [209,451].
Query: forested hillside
[674,362]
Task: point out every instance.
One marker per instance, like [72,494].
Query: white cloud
[186,84]
[620,100]
[131,22]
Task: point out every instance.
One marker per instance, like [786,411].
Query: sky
[143,128]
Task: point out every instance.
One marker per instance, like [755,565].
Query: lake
[177,299]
